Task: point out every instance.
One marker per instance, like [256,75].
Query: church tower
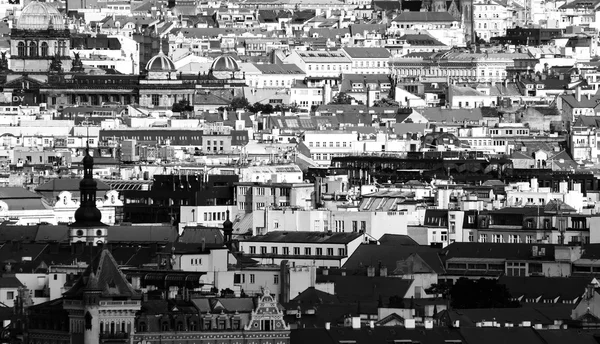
[88,227]
[228,231]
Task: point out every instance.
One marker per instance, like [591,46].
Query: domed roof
[225,63]
[160,63]
[40,16]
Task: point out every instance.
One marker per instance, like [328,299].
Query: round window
[79,232]
[99,232]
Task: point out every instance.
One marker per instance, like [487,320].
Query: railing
[119,303]
[118,335]
[72,303]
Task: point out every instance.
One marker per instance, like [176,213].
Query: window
[297,251]
[260,191]
[44,51]
[263,250]
[155,99]
[260,205]
[355,226]
[482,237]
[32,49]
[21,49]
[319,251]
[339,225]
[307,251]
[275,279]
[444,236]
[341,252]
[286,251]
[471,219]
[515,269]
[330,251]
[529,239]
[252,249]
[274,250]
[471,237]
[497,238]
[535,268]
[252,278]
[10,295]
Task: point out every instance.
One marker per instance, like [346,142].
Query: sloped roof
[411,17]
[390,254]
[15,192]
[68,184]
[198,235]
[103,274]
[306,237]
[451,115]
[497,251]
[365,288]
[144,233]
[548,288]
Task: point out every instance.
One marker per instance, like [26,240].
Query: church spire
[88,214]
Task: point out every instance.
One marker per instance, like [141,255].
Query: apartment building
[321,249]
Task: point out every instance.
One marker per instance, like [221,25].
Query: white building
[321,63]
[325,249]
[369,60]
[324,145]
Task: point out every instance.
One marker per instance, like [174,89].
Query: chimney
[372,324]
[578,93]
[428,324]
[328,326]
[534,184]
[383,271]
[203,245]
[409,323]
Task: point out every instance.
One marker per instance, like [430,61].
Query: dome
[160,63]
[88,215]
[40,16]
[225,63]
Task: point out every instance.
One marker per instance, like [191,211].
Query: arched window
[21,49]
[32,49]
[44,51]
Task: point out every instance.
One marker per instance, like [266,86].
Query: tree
[482,293]
[439,289]
[341,98]
[386,102]
[182,106]
[239,103]
[262,108]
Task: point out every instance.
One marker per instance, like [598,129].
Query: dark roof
[198,235]
[364,288]
[411,17]
[10,282]
[68,184]
[397,239]
[144,233]
[306,237]
[546,288]
[15,192]
[378,335]
[104,275]
[497,251]
[313,296]
[390,255]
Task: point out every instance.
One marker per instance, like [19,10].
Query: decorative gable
[267,316]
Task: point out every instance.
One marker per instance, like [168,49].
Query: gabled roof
[365,288]
[390,254]
[104,275]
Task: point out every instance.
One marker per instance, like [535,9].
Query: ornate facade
[40,42]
